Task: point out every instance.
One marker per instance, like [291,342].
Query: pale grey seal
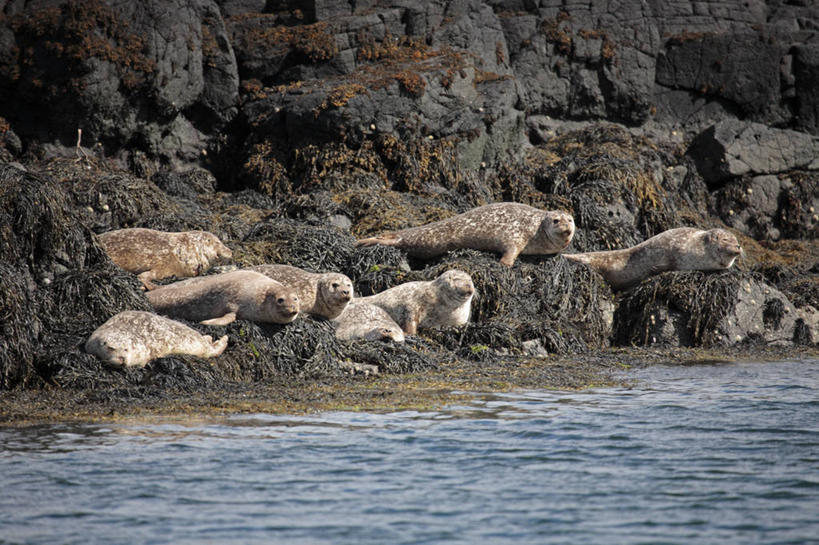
[132,338]
[508,228]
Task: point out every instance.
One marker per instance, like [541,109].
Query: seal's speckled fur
[684,248]
[445,301]
[320,294]
[154,255]
[133,338]
[222,298]
[509,228]
[367,321]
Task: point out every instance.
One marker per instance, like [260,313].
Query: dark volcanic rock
[127,74]
[734,148]
[701,309]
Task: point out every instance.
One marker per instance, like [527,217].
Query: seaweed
[703,298]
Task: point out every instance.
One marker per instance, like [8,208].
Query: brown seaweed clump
[699,300]
[57,283]
[546,299]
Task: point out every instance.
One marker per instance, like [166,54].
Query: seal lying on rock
[132,338]
[320,294]
[684,248]
[445,301]
[222,298]
[153,255]
[367,321]
[509,228]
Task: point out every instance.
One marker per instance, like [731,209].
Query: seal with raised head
[320,294]
[154,255]
[506,227]
[132,338]
[367,321]
[442,302]
[683,248]
[220,299]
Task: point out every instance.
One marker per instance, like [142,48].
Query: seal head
[333,292]
[558,228]
[723,247]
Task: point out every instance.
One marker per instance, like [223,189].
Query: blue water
[690,454]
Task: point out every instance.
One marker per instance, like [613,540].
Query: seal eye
[335,285]
[280,300]
[555,221]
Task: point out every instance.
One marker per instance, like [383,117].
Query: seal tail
[386,240]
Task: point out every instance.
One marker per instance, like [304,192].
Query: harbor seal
[154,255]
[320,294]
[367,321]
[683,248]
[509,228]
[132,338]
[220,299]
[445,301]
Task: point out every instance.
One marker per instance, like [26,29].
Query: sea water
[721,453]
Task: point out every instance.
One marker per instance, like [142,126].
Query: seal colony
[277,293]
[508,228]
[132,338]
[154,255]
[683,248]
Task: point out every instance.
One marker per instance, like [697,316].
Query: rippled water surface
[691,454]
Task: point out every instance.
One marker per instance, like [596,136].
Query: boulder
[734,148]
[125,73]
[693,308]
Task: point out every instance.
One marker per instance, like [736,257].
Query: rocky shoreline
[290,129]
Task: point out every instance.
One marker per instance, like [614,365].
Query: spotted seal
[132,338]
[154,255]
[509,228]
[222,298]
[444,301]
[683,248]
[320,294]
[367,321]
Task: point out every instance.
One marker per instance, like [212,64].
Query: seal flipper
[218,346]
[228,318]
[386,240]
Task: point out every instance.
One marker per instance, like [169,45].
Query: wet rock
[737,67]
[701,309]
[771,207]
[108,63]
[734,148]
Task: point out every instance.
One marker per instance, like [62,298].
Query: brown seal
[132,338]
[367,321]
[320,294]
[684,248]
[222,298]
[445,301]
[154,255]
[509,228]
